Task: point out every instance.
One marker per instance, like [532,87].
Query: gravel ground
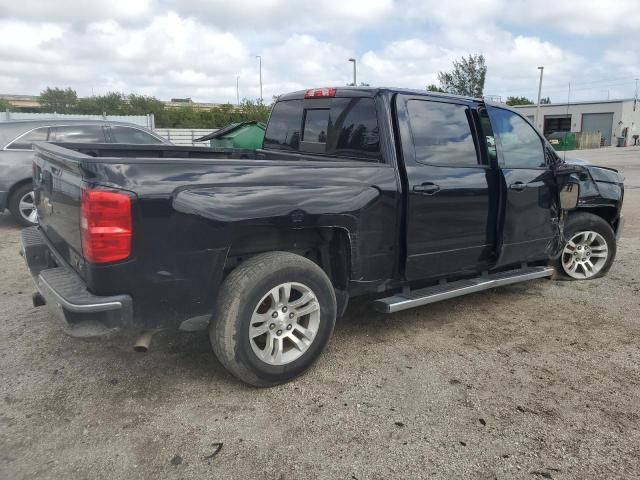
[536,380]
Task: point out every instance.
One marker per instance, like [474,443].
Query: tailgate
[57,179]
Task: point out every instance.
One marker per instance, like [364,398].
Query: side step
[444,291]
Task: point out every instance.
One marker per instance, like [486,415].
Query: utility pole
[539,95]
[355,81]
[635,97]
[238,89]
[260,59]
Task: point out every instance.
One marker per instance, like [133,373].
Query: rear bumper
[82,313]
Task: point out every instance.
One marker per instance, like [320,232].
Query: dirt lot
[538,380]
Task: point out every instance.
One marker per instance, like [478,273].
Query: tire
[587,239]
[247,300]
[17,203]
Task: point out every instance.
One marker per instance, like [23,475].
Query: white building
[612,118]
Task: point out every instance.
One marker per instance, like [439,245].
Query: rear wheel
[274,316]
[22,205]
[589,248]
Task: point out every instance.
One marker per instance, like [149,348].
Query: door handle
[518,186]
[426,188]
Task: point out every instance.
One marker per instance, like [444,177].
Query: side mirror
[569,193]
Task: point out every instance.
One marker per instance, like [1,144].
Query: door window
[25,142]
[442,133]
[120,134]
[521,145]
[80,134]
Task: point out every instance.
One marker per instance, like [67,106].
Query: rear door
[528,185]
[451,192]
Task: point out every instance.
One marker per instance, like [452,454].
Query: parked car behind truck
[16,153]
[355,191]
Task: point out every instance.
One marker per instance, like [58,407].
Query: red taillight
[105,224]
[320,93]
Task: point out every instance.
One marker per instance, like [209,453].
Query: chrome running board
[444,291]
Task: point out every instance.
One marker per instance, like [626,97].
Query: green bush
[114,103]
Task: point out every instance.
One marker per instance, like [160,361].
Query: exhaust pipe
[143,341]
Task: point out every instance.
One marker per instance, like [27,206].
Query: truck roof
[373,91]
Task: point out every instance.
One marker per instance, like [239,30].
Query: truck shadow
[189,354]
[7,222]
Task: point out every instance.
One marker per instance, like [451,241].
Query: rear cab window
[336,127]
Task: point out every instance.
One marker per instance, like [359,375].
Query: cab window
[340,127]
[520,144]
[442,133]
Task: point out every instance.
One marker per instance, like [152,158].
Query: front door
[528,228]
[451,191]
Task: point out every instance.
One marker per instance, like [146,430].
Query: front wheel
[589,247]
[274,316]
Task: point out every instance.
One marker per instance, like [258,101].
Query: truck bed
[197,211]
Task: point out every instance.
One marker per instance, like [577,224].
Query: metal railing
[185,136]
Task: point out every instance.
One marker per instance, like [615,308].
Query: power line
[562,89]
[575,86]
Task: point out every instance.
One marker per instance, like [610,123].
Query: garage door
[598,122]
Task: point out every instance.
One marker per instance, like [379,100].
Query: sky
[198,48]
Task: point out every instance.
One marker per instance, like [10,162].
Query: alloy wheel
[284,324]
[584,255]
[27,207]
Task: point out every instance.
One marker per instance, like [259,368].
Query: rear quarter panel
[189,213]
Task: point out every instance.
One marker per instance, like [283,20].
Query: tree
[435,88]
[142,105]
[58,100]
[113,103]
[467,77]
[4,105]
[518,101]
[545,101]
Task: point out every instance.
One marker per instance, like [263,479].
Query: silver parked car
[16,154]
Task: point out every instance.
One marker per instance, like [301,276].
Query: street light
[539,95]
[355,83]
[260,59]
[238,89]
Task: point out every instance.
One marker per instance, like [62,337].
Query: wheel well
[608,214]
[327,247]
[16,186]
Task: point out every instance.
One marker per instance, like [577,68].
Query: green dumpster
[243,135]
[562,141]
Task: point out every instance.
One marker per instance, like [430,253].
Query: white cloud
[66,11]
[585,17]
[288,15]
[196,48]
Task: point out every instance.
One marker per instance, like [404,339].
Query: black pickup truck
[410,195]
